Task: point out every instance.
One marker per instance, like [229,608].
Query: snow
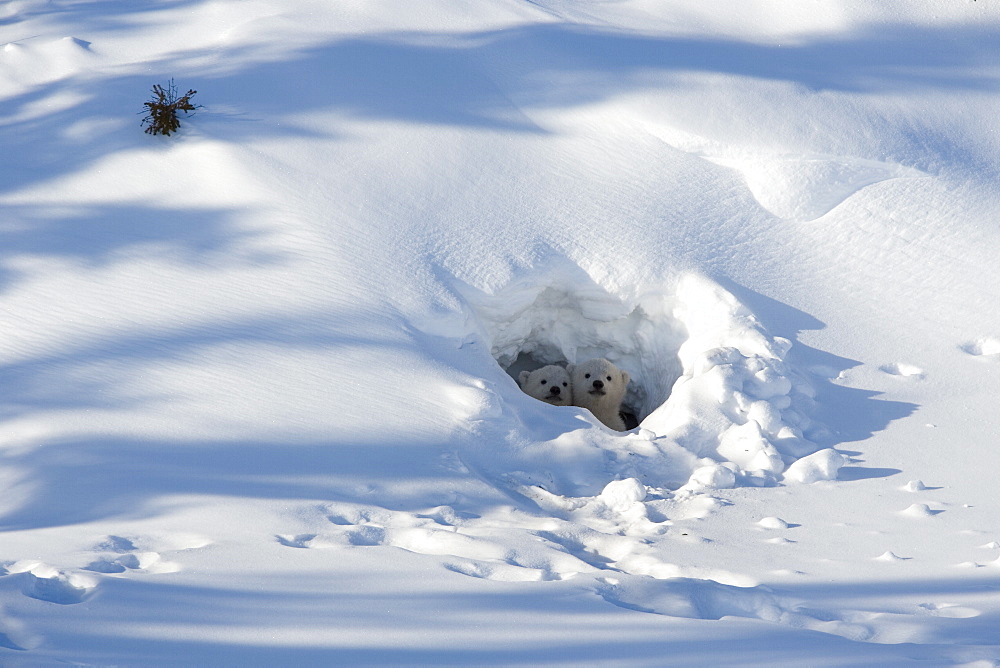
[259,402]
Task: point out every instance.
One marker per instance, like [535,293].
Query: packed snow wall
[716,401]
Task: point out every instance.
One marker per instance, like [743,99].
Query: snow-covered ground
[257,396]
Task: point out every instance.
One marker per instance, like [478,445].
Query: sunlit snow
[258,379]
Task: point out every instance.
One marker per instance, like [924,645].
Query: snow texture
[260,399]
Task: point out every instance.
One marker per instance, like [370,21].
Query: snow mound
[822,465]
[805,188]
[714,399]
[773,523]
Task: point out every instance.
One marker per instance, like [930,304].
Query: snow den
[559,324]
[706,378]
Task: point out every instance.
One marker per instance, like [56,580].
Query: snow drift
[711,389]
[258,402]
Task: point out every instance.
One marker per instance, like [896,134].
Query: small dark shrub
[162,109]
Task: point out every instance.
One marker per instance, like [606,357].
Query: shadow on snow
[314,619]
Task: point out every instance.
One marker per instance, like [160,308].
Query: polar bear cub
[599,386]
[550,384]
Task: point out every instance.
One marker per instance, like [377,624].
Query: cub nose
[554,390]
[598,384]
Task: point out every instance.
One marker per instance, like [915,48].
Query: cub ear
[523,377]
[625,377]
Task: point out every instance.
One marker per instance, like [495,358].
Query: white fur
[599,386]
[550,384]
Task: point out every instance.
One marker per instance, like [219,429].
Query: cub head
[550,384]
[598,381]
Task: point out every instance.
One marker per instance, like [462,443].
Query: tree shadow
[96,473]
[78,480]
[318,619]
[481,79]
[95,14]
[488,80]
[474,79]
[43,146]
[493,80]
[97,235]
[53,381]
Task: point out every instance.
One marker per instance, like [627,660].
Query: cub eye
[544,381]
[565,384]
[609,377]
[587,375]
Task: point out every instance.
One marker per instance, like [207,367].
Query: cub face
[550,384]
[598,382]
